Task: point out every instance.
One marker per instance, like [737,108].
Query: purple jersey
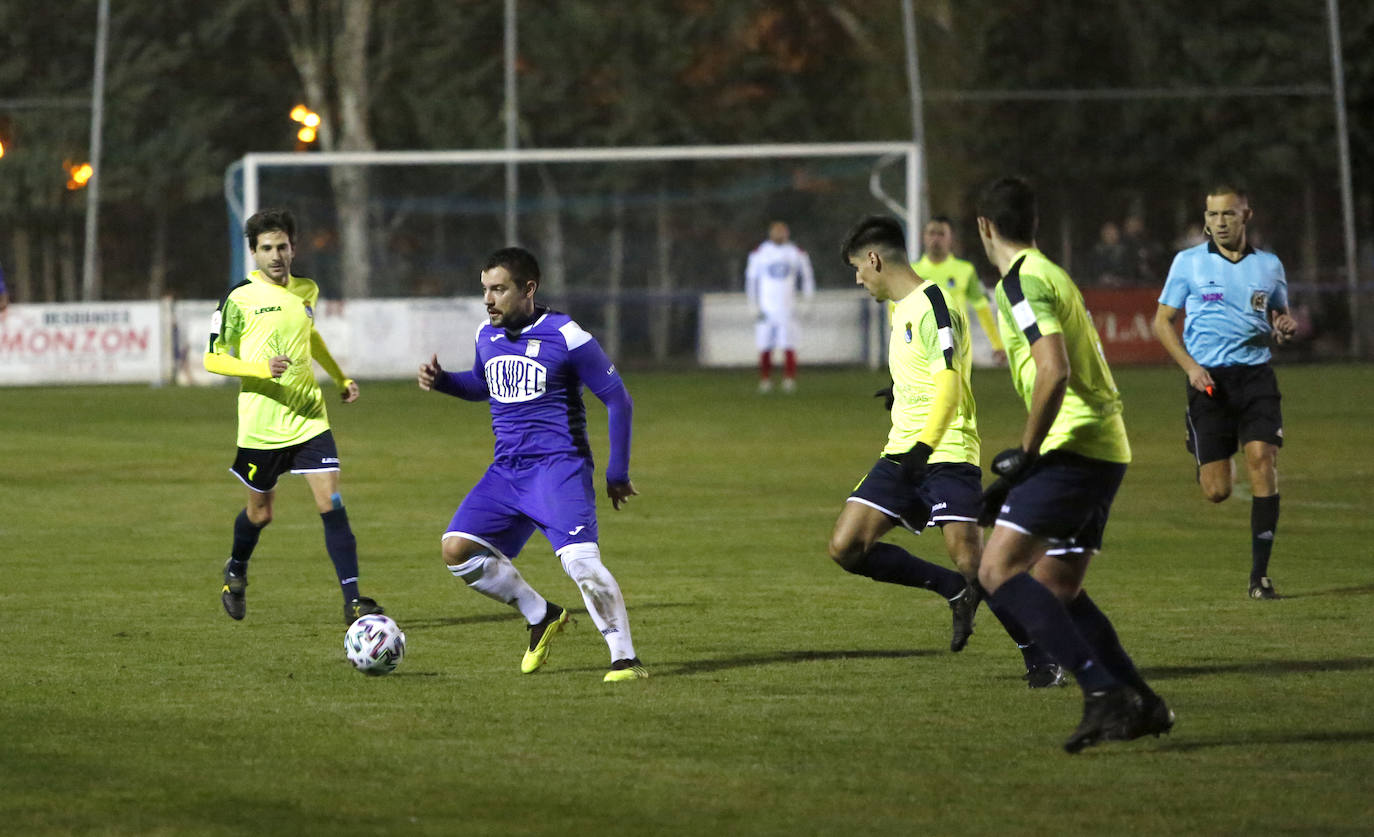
[533,381]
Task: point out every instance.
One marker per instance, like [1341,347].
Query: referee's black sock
[1049,624]
[343,550]
[894,565]
[1264,519]
[1098,632]
[245,540]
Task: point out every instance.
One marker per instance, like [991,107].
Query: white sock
[601,593]
[497,578]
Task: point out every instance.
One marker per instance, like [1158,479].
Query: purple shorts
[516,496]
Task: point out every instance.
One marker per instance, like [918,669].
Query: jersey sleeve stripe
[217,321]
[1021,310]
[574,335]
[944,324]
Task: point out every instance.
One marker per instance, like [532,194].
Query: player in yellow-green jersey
[1062,476]
[956,277]
[928,473]
[263,333]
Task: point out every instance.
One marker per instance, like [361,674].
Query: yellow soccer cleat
[541,634]
[622,670]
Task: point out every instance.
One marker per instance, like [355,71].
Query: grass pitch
[787,696]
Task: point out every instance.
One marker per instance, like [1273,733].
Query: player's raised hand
[620,492]
[430,371]
[349,394]
[278,365]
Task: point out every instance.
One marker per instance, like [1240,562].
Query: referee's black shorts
[1243,407]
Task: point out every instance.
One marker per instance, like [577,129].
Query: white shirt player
[775,272]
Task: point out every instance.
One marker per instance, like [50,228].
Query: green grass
[787,697]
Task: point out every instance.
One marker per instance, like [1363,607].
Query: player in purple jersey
[531,364]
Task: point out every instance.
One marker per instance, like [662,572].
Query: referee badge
[309,312]
[908,332]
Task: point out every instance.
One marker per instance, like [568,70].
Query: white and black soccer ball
[375,644]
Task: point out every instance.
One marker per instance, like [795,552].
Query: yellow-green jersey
[1037,298]
[256,321]
[929,336]
[959,280]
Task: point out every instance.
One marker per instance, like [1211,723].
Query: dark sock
[343,550]
[245,539]
[1264,519]
[1049,624]
[1097,630]
[894,565]
[1033,654]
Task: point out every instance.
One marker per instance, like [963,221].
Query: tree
[329,43]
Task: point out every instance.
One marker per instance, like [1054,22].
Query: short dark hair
[875,232]
[1009,203]
[269,220]
[519,263]
[1228,187]
[941,219]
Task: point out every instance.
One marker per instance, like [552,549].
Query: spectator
[1143,253]
[1109,264]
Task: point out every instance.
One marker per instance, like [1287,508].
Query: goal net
[645,247]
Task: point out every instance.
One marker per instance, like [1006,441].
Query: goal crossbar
[252,162]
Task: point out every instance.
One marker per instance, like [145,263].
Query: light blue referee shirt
[1228,303]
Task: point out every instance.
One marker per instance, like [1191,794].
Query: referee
[1236,298]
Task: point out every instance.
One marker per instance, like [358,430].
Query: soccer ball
[375,644]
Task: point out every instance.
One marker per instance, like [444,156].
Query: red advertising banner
[1123,317]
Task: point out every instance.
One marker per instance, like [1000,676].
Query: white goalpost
[645,243]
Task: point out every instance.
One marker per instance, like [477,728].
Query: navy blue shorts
[514,497]
[1243,407]
[1065,500]
[259,468]
[951,492]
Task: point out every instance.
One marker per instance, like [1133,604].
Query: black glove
[914,462]
[886,394]
[993,498]
[1013,464]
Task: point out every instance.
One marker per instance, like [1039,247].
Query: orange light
[79,176]
[311,120]
[2,149]
[298,113]
[306,134]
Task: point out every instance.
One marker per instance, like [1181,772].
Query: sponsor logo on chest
[514,378]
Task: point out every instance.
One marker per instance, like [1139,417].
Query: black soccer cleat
[1045,676]
[1108,715]
[1156,718]
[1263,588]
[962,607]
[231,596]
[359,607]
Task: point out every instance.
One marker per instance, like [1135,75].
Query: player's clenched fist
[429,373]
